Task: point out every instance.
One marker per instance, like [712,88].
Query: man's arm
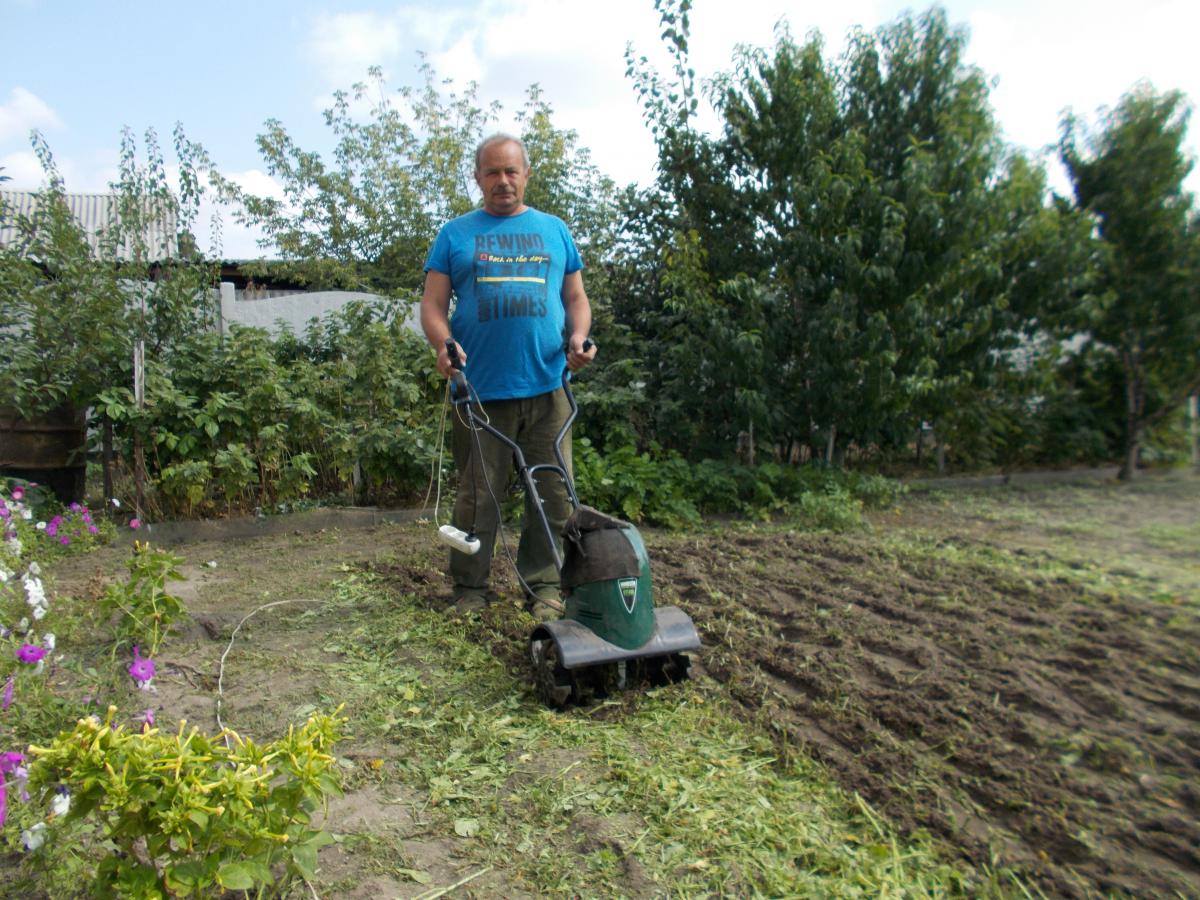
[579,321]
[435,318]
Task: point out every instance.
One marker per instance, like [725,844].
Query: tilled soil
[1031,723]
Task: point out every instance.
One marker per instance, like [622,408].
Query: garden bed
[983,692]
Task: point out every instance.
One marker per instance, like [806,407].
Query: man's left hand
[577,357]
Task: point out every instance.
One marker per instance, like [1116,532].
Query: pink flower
[141,670]
[64,540]
[92,529]
[31,654]
[18,493]
[135,524]
[147,719]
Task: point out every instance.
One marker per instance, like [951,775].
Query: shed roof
[95,213]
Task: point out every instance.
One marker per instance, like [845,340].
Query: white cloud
[23,111]
[347,44]
[24,170]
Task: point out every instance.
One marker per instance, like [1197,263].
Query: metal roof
[95,213]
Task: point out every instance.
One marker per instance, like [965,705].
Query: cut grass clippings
[662,793]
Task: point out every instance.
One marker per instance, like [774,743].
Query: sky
[79,71]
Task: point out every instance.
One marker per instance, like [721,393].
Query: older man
[516,279]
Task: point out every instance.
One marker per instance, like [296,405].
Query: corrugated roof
[94,213]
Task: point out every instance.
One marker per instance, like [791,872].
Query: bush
[188,815]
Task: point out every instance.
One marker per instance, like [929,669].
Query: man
[516,277]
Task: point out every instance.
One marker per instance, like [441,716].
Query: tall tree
[860,227]
[1128,174]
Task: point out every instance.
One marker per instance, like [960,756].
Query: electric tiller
[610,634]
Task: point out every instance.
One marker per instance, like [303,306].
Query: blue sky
[80,71]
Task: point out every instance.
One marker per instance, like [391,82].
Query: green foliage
[856,252]
[364,219]
[246,421]
[635,486]
[189,815]
[1128,175]
[146,613]
[70,310]
[662,488]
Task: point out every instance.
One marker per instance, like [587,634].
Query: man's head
[501,171]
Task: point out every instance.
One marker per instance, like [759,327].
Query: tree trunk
[1133,436]
[830,445]
[1193,414]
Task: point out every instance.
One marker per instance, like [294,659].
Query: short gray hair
[500,137]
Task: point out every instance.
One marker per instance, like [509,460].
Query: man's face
[502,176]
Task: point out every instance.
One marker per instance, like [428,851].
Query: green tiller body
[611,635]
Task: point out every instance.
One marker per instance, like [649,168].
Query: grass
[661,793]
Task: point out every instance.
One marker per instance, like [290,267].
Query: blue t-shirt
[507,275]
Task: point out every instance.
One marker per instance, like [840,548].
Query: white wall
[295,310]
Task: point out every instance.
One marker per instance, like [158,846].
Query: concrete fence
[295,310]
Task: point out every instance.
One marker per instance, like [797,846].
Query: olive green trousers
[486,469]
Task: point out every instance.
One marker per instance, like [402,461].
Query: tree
[1128,176]
[860,246]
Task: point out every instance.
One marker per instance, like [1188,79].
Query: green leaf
[238,876]
[466,827]
[420,876]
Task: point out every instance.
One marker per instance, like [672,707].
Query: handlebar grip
[588,344]
[452,352]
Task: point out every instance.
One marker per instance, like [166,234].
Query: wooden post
[139,456]
[107,456]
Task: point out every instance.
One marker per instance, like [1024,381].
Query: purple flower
[75,507]
[52,529]
[10,762]
[141,670]
[8,691]
[31,654]
[147,719]
[64,540]
[92,529]
[3,511]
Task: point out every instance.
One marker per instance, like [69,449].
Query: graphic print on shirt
[511,275]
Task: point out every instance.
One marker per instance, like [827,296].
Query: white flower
[27,514]
[35,569]
[115,502]
[48,640]
[23,625]
[60,805]
[4,575]
[39,613]
[41,526]
[34,837]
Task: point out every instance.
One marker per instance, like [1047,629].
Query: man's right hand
[443,360]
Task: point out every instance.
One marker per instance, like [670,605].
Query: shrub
[189,815]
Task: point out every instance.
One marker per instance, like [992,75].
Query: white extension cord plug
[458,539]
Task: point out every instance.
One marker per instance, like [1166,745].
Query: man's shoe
[471,600]
[545,606]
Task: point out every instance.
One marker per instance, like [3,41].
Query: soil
[997,687]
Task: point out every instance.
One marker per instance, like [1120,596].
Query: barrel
[50,449]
